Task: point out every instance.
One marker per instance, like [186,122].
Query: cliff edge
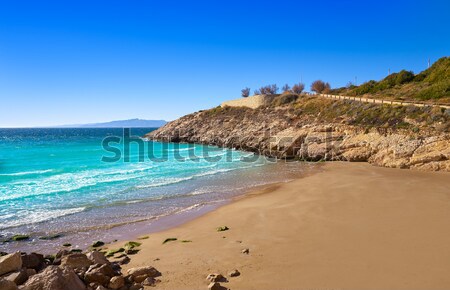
[313,128]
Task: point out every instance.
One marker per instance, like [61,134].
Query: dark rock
[245,251]
[214,277]
[116,267]
[234,273]
[98,244]
[136,286]
[216,286]
[33,261]
[132,251]
[122,261]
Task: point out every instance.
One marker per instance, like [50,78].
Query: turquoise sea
[53,181]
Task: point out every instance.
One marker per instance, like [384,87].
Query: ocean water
[57,181]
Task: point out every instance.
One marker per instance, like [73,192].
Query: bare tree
[245,92]
[267,90]
[298,88]
[320,86]
[286,88]
[257,92]
[273,89]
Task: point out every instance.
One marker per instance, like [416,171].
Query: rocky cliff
[314,129]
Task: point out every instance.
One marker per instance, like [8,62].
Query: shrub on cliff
[245,92]
[320,87]
[286,88]
[298,88]
[268,90]
[430,84]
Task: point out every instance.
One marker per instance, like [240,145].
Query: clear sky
[65,62]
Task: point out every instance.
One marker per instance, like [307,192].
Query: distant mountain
[131,123]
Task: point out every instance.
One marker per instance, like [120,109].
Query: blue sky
[65,62]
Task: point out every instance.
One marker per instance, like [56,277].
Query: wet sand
[350,226]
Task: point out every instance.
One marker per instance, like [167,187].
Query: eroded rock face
[10,263]
[55,278]
[278,132]
[97,258]
[76,261]
[100,274]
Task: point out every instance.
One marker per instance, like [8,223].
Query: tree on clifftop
[286,88]
[320,87]
[245,92]
[298,88]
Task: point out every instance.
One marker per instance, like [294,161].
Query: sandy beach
[350,226]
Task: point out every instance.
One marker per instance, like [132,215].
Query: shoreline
[126,230]
[350,236]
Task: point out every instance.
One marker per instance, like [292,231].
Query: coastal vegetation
[320,86]
[432,84]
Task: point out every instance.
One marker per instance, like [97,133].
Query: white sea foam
[26,173]
[27,217]
[179,149]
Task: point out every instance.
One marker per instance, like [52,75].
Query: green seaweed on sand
[143,238]
[131,245]
[186,241]
[20,238]
[169,240]
[111,253]
[51,237]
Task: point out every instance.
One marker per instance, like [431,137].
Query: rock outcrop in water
[314,129]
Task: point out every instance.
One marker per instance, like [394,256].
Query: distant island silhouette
[131,123]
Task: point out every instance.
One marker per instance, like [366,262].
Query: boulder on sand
[10,263]
[76,261]
[100,274]
[55,278]
[116,282]
[97,258]
[147,271]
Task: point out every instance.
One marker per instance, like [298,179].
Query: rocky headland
[312,128]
